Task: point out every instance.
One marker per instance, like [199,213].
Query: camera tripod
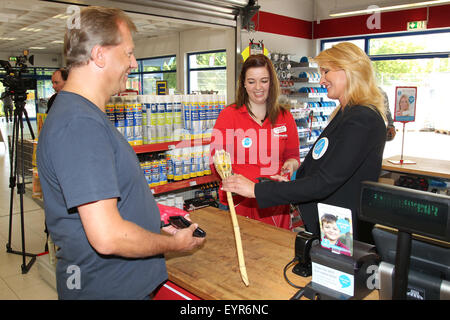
[17,178]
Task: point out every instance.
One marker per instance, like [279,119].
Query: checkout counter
[423,167]
[212,272]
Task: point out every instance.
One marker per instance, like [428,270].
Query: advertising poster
[405,104]
[336,229]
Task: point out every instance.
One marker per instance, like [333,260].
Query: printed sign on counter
[336,230]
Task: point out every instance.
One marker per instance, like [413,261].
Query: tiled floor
[13,284]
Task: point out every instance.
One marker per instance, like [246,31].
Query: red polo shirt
[256,151]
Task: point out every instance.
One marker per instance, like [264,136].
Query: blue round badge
[320,148]
[247,142]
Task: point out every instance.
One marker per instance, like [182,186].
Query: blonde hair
[98,26]
[361,84]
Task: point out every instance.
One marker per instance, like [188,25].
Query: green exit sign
[416,25]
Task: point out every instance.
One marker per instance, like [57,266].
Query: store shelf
[170,145]
[308,95]
[172,186]
[307,80]
[303,64]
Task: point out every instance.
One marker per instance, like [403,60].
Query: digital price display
[409,210]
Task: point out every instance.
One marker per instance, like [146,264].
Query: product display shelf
[164,146]
[310,109]
[183,184]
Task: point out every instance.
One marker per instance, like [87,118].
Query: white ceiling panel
[28,24]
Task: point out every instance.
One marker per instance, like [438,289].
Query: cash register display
[410,210]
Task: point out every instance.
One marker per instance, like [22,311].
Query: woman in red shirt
[260,135]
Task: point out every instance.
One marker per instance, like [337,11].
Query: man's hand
[185,239]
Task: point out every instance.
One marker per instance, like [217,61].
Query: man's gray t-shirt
[83,158]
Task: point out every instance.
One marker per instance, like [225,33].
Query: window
[410,44]
[357,42]
[150,70]
[418,59]
[207,71]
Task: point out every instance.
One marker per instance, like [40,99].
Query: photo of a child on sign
[405,104]
[336,230]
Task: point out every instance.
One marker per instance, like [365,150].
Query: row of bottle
[171,201]
[148,119]
[175,165]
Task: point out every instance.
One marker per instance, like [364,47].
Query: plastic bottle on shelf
[202,109]
[216,111]
[147,166]
[162,169]
[137,121]
[109,110]
[186,160]
[155,173]
[195,117]
[186,105]
[209,114]
[193,163]
[177,165]
[205,159]
[129,120]
[170,164]
[119,115]
[142,99]
[161,120]
[177,118]
[169,117]
[198,161]
[222,102]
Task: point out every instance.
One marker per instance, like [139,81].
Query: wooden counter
[427,167]
[212,273]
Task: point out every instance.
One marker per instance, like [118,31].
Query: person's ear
[98,56]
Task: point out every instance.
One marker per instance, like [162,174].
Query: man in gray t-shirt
[99,210]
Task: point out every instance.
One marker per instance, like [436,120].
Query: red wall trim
[439,17]
[283,25]
[395,21]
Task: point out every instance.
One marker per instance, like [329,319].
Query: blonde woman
[404,107]
[348,151]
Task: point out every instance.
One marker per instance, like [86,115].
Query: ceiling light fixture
[372,9]
[61,16]
[37,48]
[30,29]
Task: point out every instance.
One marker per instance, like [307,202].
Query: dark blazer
[355,141]
[50,102]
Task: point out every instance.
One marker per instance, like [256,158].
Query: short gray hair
[98,26]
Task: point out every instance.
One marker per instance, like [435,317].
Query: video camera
[13,81]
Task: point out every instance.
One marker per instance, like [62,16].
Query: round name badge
[320,148]
[247,142]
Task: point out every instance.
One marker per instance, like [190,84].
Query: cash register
[412,238]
